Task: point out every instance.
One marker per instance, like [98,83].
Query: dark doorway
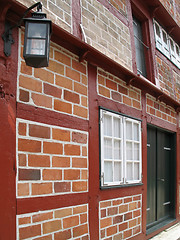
[160,177]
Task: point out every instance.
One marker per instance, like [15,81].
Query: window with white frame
[166,45]
[120,149]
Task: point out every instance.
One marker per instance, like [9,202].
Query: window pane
[107,148]
[158,30]
[107,125]
[108,172]
[36,30]
[117,127]
[129,171]
[117,171]
[117,149]
[129,155]
[136,132]
[136,171]
[35,46]
[164,37]
[128,130]
[136,151]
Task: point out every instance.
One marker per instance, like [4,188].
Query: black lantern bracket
[7,35]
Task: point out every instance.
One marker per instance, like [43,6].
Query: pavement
[172,233]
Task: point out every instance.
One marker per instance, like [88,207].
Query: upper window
[139,46]
[120,149]
[166,44]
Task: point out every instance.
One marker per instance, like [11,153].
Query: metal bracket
[8,39]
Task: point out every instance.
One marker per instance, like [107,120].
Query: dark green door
[160,176]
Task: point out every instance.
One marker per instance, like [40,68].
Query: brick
[110,84]
[41,188]
[117,202]
[132,206]
[127,200]
[23,95]
[84,174]
[63,235]
[39,131]
[79,137]
[24,220]
[41,100]
[38,161]
[62,106]
[52,148]
[79,66]
[123,208]
[117,219]
[62,187]
[29,145]
[136,213]
[118,236]
[127,216]
[51,226]
[104,91]
[72,74]
[47,237]
[42,217]
[150,102]
[56,67]
[60,134]
[152,111]
[80,111]
[103,213]
[80,230]
[30,84]
[61,57]
[26,69]
[103,232]
[79,162]
[84,151]
[84,79]
[44,75]
[52,90]
[105,204]
[61,213]
[83,218]
[126,100]
[70,221]
[29,174]
[123,226]
[116,96]
[105,222]
[79,186]
[111,230]
[81,89]
[80,209]
[132,223]
[29,232]
[60,161]
[70,149]
[136,104]
[23,189]
[22,129]
[22,160]
[84,101]
[64,82]
[71,174]
[71,97]
[52,174]
[127,233]
[101,80]
[122,90]
[136,230]
[112,211]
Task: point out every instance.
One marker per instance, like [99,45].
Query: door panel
[160,176]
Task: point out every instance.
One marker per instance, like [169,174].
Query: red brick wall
[120,5]
[115,89]
[120,218]
[58,224]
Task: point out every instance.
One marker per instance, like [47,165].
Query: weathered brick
[105,204]
[127,233]
[60,161]
[52,90]
[79,186]
[123,226]
[122,90]
[61,213]
[71,97]
[62,187]
[29,174]
[23,95]
[84,174]
[80,111]
[110,84]
[83,218]
[132,223]
[103,213]
[79,162]
[127,200]
[26,69]
[105,222]
[52,148]
[70,221]
[72,74]
[104,91]
[44,75]
[80,230]
[79,137]
[70,149]
[112,211]
[42,100]
[61,134]
[56,67]
[116,96]
[23,189]
[61,57]
[64,82]
[30,83]
[52,226]
[117,219]
[118,236]
[126,100]
[63,235]
[22,128]
[79,88]
[24,220]
[27,145]
[22,160]
[111,230]
[41,188]
[71,174]
[42,217]
[132,206]
[39,131]
[38,161]
[62,106]
[80,209]
[123,208]
[30,231]
[52,174]
[127,216]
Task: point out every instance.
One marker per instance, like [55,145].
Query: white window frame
[172,51]
[123,139]
[158,39]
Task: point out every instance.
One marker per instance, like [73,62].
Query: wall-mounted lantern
[36,38]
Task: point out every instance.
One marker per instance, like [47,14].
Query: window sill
[120,186]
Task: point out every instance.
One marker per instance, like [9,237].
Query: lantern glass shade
[36,42]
